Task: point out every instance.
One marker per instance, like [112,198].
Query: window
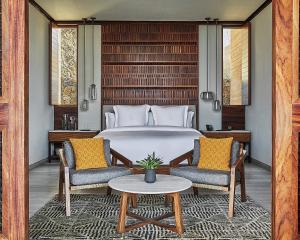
[236,65]
[64,60]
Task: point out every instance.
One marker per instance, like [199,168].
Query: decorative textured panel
[154,63]
[64,66]
[234,117]
[69,65]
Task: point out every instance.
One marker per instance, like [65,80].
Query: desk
[59,136]
[241,136]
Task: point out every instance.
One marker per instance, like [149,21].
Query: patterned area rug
[204,216]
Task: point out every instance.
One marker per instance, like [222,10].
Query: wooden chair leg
[195,189]
[231,195]
[168,199]
[67,193]
[61,183]
[108,191]
[114,161]
[122,214]
[243,184]
[133,201]
[190,161]
[178,214]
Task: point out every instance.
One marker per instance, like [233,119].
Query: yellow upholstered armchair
[213,179]
[72,179]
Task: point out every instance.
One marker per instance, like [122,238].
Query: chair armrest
[242,156]
[64,167]
[60,153]
[186,156]
[121,158]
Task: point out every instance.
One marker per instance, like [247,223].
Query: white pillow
[170,116]
[110,120]
[189,122]
[150,119]
[127,116]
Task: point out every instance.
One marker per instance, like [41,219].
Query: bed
[135,142]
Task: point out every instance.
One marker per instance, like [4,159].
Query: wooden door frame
[14,119]
[285,125]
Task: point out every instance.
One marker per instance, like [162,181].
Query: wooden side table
[241,136]
[59,136]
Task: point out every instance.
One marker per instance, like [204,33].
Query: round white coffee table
[131,185]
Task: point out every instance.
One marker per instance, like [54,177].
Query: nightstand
[59,136]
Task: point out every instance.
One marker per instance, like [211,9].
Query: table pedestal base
[122,227]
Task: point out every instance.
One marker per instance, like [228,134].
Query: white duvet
[136,142]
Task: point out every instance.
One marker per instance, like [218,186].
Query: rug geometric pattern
[205,217]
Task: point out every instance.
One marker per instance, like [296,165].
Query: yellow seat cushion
[89,153]
[215,153]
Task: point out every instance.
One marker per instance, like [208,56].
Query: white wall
[92,118]
[206,113]
[40,112]
[259,114]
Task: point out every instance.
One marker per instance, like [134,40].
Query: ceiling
[150,10]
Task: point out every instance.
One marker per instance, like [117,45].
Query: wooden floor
[43,185]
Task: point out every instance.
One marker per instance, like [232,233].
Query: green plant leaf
[150,162]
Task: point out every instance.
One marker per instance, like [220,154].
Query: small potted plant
[150,163]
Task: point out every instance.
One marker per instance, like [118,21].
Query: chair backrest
[70,156]
[235,150]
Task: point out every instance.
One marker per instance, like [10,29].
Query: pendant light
[85,103]
[217,103]
[93,88]
[207,95]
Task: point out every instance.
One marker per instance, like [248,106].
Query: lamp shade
[217,105]
[207,96]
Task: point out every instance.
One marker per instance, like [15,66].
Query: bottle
[65,120]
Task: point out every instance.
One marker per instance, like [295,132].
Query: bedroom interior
[157,63]
[194,88]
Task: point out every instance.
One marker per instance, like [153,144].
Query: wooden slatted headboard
[150,63]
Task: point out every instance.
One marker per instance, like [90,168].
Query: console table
[241,136]
[59,136]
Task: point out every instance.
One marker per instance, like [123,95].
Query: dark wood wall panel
[59,111]
[153,63]
[233,116]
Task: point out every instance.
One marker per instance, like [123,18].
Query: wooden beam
[285,160]
[257,11]
[42,10]
[101,22]
[15,133]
